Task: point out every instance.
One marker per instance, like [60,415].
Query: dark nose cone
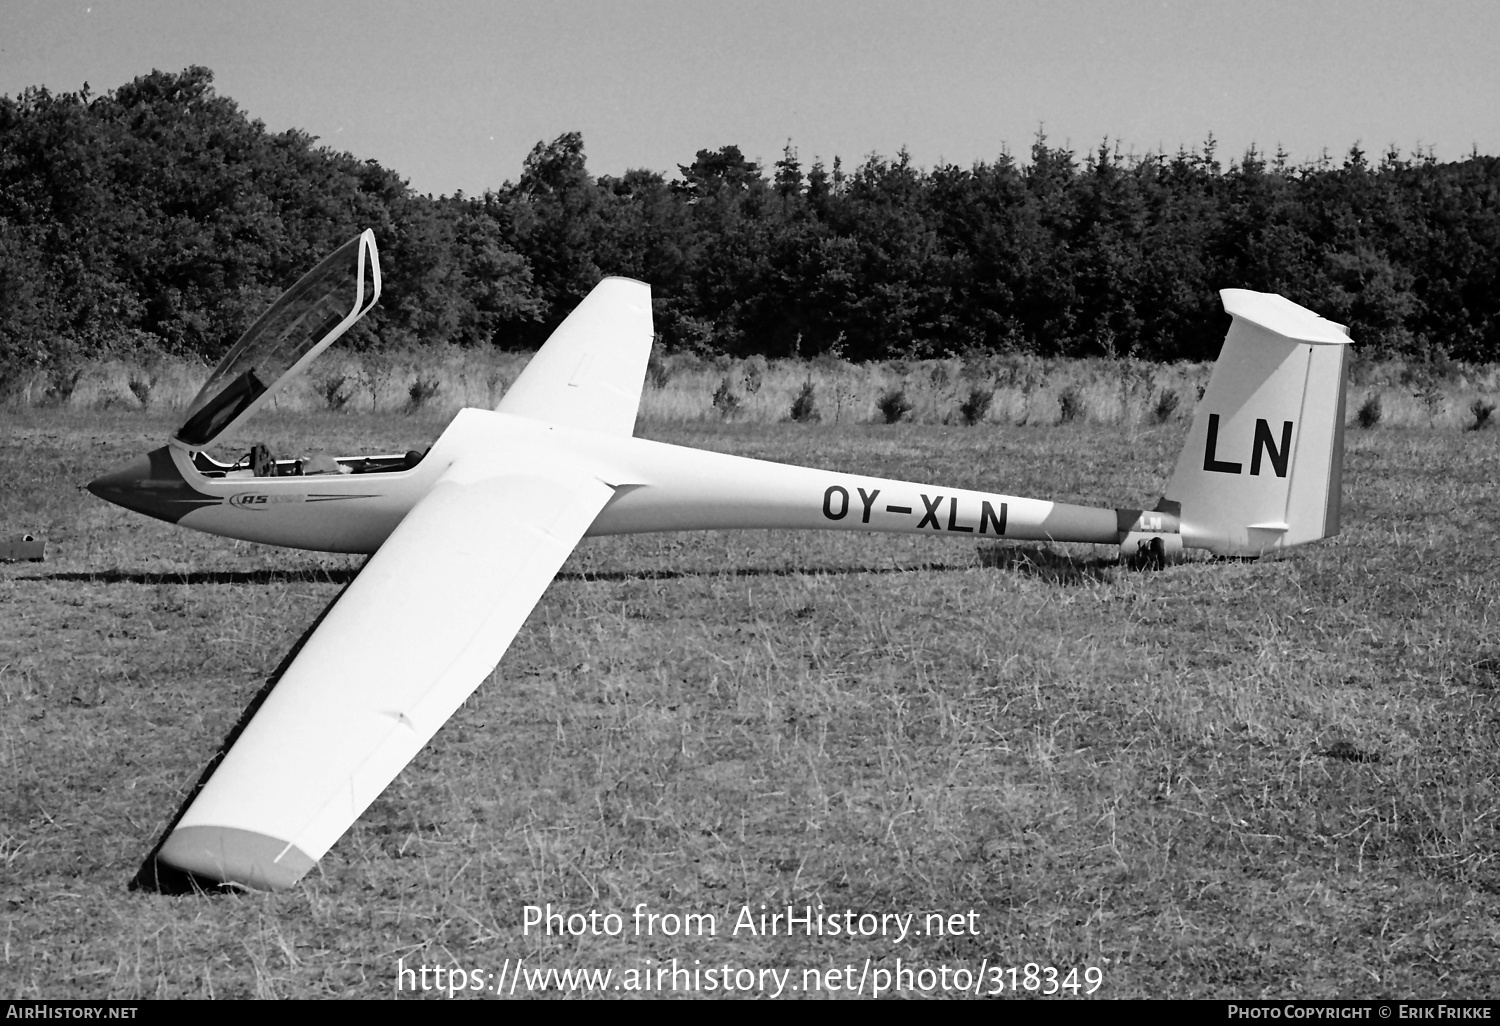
[119,486]
[154,486]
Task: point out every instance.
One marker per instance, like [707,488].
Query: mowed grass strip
[1225,779]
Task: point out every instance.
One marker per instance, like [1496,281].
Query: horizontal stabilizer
[1281,316]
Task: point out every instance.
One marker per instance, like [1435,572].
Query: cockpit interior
[260,462]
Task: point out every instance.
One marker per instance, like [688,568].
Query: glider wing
[590,372]
[418,630]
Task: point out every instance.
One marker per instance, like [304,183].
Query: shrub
[725,401]
[805,406]
[975,408]
[141,388]
[493,382]
[1362,368]
[376,369]
[61,383]
[657,371]
[894,405]
[1481,411]
[1369,412]
[332,390]
[1431,397]
[754,373]
[831,358]
[1166,405]
[1070,402]
[421,390]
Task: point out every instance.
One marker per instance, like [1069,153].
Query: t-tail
[1263,462]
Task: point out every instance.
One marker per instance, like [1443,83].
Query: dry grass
[1225,779]
[681,389]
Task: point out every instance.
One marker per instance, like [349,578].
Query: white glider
[466,537]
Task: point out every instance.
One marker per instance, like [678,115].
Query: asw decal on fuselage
[261,500]
[1263,445]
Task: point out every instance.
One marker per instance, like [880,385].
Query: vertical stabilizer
[1263,461]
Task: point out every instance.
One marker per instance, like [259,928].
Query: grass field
[1224,779]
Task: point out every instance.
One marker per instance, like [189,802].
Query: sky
[453,94]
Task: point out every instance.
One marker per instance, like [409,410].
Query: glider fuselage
[658,487]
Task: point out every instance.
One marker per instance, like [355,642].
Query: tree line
[158,215]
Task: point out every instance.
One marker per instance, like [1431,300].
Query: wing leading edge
[416,633]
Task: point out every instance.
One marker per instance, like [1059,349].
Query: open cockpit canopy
[307,319]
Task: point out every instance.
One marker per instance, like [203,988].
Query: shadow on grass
[1029,560]
[761,571]
[1048,565]
[342,576]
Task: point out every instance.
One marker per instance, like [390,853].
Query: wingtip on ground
[212,858]
[157,877]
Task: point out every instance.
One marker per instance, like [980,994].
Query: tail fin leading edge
[1262,466]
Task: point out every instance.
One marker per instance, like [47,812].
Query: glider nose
[154,486]
[118,486]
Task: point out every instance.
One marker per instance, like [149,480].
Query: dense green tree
[160,215]
[723,169]
[789,174]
